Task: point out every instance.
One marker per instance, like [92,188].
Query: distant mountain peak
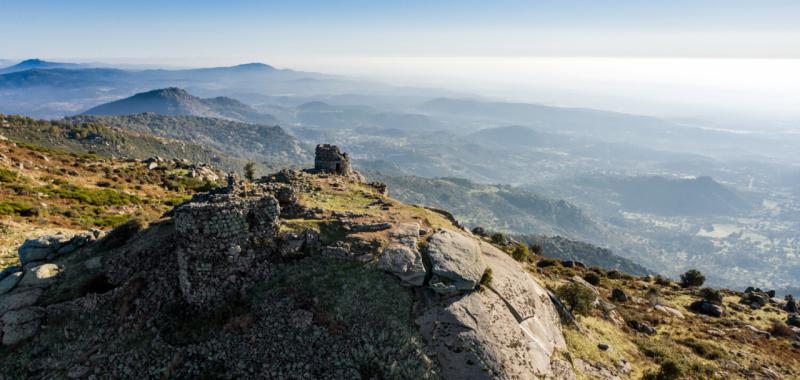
[176,101]
[254,66]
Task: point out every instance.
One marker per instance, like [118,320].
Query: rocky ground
[295,276]
[301,275]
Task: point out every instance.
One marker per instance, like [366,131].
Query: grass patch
[11,208]
[7,176]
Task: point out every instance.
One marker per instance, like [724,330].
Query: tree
[577,297]
[250,171]
[692,278]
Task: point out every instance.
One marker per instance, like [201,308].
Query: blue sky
[228,31]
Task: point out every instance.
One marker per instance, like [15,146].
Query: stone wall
[222,241]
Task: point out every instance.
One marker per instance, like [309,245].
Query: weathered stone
[40,275]
[618,295]
[641,327]
[790,306]
[757,331]
[13,334]
[8,271]
[793,320]
[707,308]
[669,311]
[329,159]
[602,346]
[9,282]
[580,280]
[18,299]
[456,261]
[17,317]
[404,262]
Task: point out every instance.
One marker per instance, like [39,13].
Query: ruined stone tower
[329,159]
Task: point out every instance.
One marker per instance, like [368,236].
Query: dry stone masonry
[329,159]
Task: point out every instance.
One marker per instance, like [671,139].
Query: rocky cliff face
[297,276]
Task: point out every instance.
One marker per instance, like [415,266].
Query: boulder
[9,282]
[50,246]
[580,280]
[8,271]
[754,299]
[40,276]
[456,262]
[757,331]
[13,334]
[793,320]
[18,299]
[790,306]
[641,327]
[618,295]
[669,311]
[404,262]
[707,308]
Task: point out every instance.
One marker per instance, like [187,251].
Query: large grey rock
[18,299]
[18,317]
[404,262]
[46,246]
[509,331]
[456,261]
[9,282]
[40,276]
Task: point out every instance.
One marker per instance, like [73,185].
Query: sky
[191,32]
[678,58]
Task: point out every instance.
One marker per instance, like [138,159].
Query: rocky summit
[297,275]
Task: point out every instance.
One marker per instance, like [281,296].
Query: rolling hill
[177,102]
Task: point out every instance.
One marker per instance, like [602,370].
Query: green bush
[521,253]
[498,238]
[692,278]
[704,349]
[9,208]
[669,370]
[614,274]
[547,263]
[592,278]
[577,297]
[7,176]
[711,295]
[663,281]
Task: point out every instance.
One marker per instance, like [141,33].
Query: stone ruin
[329,159]
[223,238]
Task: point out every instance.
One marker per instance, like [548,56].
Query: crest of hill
[671,196]
[270,145]
[104,140]
[36,63]
[175,101]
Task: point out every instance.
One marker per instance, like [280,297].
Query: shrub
[547,263]
[779,328]
[577,297]
[537,249]
[711,295]
[8,208]
[663,281]
[592,278]
[486,279]
[250,171]
[614,274]
[703,349]
[692,278]
[7,176]
[521,253]
[498,238]
[669,370]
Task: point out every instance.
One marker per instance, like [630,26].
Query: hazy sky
[678,58]
[203,32]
